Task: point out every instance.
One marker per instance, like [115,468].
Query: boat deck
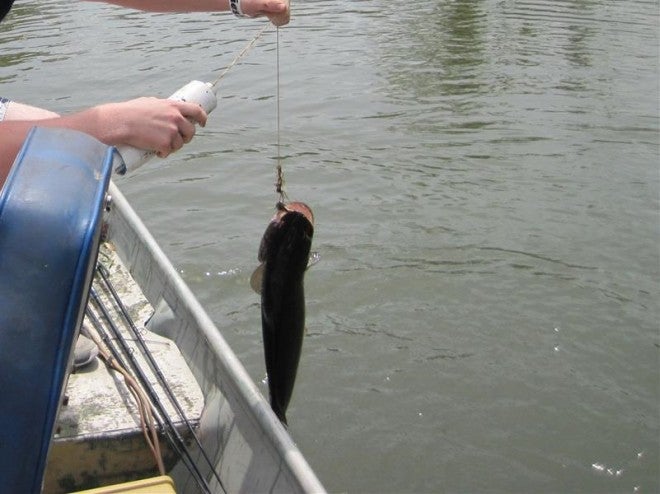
[99,435]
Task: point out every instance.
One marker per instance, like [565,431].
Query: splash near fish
[284,255]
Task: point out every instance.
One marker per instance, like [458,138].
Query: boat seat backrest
[50,221]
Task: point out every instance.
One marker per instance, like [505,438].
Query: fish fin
[257,276]
[314,257]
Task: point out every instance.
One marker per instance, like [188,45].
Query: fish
[284,254]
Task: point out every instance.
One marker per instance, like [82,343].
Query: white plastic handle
[194,92]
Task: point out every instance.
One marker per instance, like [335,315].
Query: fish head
[275,225]
[298,207]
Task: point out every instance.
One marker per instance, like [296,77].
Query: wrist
[106,123]
[235,7]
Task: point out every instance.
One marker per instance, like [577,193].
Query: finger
[279,13]
[276,10]
[275,7]
[187,130]
[177,142]
[192,111]
[279,19]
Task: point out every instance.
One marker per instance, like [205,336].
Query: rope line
[240,55]
[279,182]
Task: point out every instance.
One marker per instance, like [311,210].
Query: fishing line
[202,93]
[279,182]
[237,58]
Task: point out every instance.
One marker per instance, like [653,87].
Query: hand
[161,125]
[277,11]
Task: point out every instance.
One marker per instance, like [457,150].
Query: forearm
[171,5]
[14,132]
[161,125]
[276,10]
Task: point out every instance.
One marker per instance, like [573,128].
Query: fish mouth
[298,207]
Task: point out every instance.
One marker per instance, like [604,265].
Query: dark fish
[284,255]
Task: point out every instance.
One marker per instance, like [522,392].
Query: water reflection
[477,47]
[436,52]
[30,31]
[461,35]
[477,68]
[10,37]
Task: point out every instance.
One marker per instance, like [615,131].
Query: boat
[167,402]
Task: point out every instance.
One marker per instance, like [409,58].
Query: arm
[147,123]
[143,123]
[276,10]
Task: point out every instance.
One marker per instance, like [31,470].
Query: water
[485,180]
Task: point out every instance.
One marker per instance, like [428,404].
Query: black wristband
[236,8]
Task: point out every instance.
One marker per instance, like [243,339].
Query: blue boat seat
[50,222]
